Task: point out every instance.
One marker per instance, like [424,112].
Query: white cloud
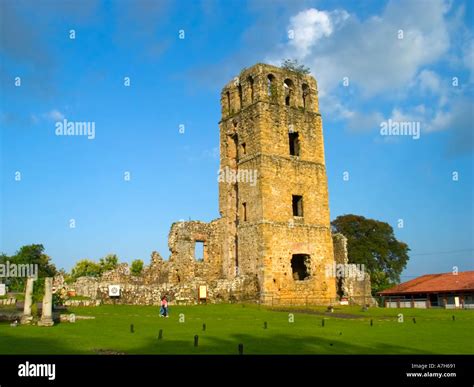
[333,107]
[54,115]
[416,115]
[311,25]
[458,121]
[429,81]
[337,45]
[383,68]
[460,117]
[421,109]
[441,121]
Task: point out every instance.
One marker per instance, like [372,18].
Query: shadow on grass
[13,344]
[253,344]
[110,333]
[273,344]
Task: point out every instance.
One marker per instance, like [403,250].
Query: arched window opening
[300,264]
[250,83]
[270,85]
[305,88]
[288,85]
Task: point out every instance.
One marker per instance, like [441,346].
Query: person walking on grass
[164,307]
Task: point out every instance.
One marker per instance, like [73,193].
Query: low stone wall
[12,315]
[218,291]
[76,303]
[86,287]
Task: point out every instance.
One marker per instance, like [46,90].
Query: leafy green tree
[372,243]
[30,255]
[293,65]
[34,255]
[137,267]
[3,258]
[89,268]
[85,268]
[109,262]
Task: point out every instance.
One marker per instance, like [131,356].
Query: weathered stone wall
[279,278]
[178,278]
[183,266]
[356,286]
[157,272]
[340,248]
[238,289]
[86,287]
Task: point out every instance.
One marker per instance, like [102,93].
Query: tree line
[34,255]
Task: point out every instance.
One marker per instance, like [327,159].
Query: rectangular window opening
[300,264]
[297,205]
[294,144]
[199,251]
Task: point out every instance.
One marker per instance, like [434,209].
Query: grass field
[346,331]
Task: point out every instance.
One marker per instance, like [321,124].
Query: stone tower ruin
[273,195]
[272,242]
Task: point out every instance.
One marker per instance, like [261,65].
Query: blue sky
[408,61]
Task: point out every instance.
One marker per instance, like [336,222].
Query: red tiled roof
[435,283]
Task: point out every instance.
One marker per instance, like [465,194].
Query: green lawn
[346,331]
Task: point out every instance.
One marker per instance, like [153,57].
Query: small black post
[454,318]
[203,327]
[132,329]
[241,349]
[414,320]
[160,334]
[322,322]
[196,340]
[371,322]
[265,325]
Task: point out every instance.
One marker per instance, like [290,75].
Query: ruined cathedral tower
[273,198]
[272,241]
